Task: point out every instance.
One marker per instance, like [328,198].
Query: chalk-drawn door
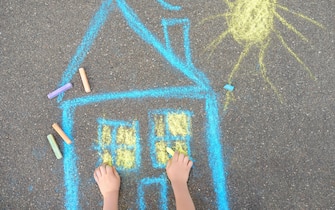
[145,190]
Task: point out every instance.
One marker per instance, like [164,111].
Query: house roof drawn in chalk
[122,141]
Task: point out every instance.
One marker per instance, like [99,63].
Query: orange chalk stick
[84,80]
[61,133]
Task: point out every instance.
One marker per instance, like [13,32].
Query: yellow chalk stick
[84,80]
[61,133]
[170,151]
[54,146]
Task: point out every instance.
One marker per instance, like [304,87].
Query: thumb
[168,164]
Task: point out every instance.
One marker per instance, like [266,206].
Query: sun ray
[229,95]
[237,65]
[291,27]
[294,55]
[212,46]
[300,15]
[212,17]
[264,70]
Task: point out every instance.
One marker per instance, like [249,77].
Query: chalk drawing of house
[119,140]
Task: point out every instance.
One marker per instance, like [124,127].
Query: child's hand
[107,179]
[178,168]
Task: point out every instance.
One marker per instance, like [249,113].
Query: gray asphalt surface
[277,155]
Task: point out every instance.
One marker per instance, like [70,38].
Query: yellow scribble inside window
[106,136]
[181,147]
[126,136]
[125,158]
[107,158]
[161,154]
[178,124]
[159,125]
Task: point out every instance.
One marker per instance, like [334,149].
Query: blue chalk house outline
[201,90]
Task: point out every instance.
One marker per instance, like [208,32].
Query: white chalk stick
[170,151]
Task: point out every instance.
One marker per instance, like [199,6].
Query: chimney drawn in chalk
[179,37]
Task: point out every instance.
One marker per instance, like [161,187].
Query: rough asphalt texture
[277,155]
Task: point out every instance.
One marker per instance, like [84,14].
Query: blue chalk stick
[55,93]
[229,87]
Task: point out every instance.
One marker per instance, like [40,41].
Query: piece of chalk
[170,151]
[54,146]
[55,93]
[84,80]
[229,87]
[61,133]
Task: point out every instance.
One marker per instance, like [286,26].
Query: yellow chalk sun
[250,23]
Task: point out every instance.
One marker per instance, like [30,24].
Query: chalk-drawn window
[169,128]
[118,143]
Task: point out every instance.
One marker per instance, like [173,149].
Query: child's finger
[168,163]
[97,172]
[115,172]
[96,178]
[103,169]
[109,169]
[181,157]
[175,156]
[186,159]
[190,164]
